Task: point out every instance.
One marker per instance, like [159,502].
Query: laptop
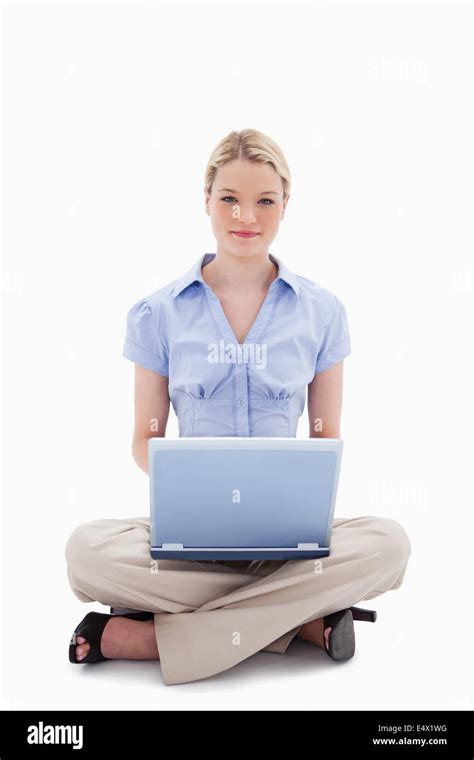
[229,498]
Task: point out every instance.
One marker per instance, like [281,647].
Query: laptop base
[157,552]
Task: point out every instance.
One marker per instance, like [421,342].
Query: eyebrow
[229,190]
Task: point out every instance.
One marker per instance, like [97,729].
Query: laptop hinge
[178,547]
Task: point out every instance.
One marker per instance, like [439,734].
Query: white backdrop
[110,111]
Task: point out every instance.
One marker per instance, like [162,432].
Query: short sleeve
[336,343]
[144,340]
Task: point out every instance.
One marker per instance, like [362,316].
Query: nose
[246,215]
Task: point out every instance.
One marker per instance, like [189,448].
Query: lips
[241,233]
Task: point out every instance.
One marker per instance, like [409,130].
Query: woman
[200,618]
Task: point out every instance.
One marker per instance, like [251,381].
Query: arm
[152,406]
[325,403]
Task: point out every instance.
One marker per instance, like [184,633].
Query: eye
[234,200]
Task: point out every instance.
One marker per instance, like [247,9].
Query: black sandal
[342,638]
[91,628]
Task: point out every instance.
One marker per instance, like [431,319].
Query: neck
[230,273]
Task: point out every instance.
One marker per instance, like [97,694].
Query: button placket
[241,398]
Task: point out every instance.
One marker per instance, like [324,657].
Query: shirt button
[241,401]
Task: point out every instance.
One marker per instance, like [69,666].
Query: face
[245,197]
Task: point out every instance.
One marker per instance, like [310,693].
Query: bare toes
[82,650]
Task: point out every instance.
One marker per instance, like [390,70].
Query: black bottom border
[90,733]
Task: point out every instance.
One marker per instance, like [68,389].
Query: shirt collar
[194,274]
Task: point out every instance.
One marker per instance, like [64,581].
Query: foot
[313,632]
[124,639]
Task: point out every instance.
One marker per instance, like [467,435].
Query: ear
[207,198]
[284,206]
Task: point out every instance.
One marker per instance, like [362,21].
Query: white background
[110,113]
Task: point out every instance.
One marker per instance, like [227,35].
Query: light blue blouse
[219,387]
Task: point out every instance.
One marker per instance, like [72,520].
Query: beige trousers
[211,615]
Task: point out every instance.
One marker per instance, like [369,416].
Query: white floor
[403,661]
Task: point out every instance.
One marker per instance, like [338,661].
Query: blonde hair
[253,146]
